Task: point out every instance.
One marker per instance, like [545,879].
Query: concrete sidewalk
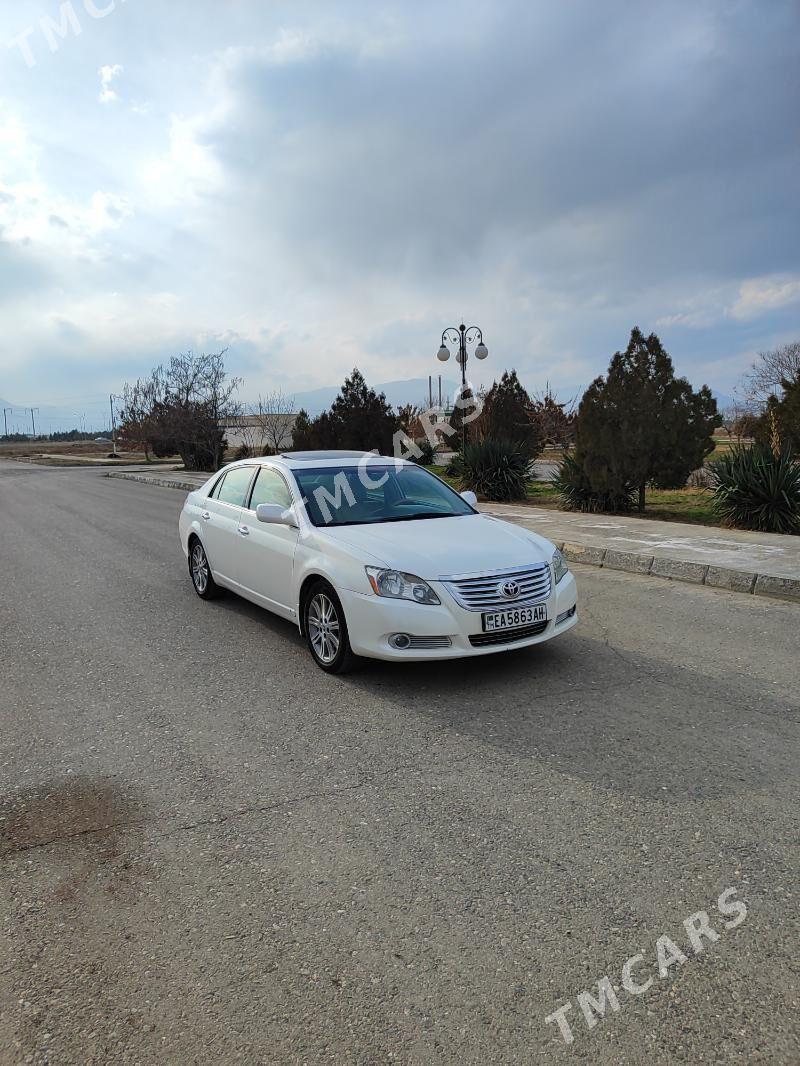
[763,564]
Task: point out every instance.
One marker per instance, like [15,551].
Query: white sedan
[373,556]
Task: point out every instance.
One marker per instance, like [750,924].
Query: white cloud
[329,185]
[107,74]
[757,296]
[741,301]
[33,212]
[188,168]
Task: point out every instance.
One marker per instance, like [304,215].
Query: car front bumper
[372,620]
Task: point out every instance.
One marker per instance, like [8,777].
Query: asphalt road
[211,851]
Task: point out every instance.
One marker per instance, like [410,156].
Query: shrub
[756,489]
[455,468]
[426,448]
[574,487]
[242,452]
[495,469]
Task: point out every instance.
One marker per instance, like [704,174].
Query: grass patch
[666,505]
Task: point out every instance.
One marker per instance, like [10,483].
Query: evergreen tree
[462,418]
[359,418]
[507,415]
[301,431]
[640,425]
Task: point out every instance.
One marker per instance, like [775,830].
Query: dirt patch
[75,872]
[9,449]
[90,810]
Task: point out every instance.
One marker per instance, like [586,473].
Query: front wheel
[204,584]
[326,630]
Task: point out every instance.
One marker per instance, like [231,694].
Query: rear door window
[234,486]
[216,487]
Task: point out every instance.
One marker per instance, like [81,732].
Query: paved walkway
[759,563]
[763,553]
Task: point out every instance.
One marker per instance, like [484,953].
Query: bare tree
[555,421]
[137,417]
[180,409]
[408,418]
[273,416]
[769,370]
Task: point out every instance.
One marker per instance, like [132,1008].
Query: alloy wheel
[200,571]
[323,628]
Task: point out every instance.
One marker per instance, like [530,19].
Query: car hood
[443,547]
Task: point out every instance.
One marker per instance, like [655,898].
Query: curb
[719,577]
[163,482]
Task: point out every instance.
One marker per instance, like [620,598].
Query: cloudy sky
[322,185]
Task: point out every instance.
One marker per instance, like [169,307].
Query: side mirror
[470,497]
[275,515]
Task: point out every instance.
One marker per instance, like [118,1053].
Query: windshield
[361,495]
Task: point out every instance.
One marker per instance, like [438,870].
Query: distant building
[256,431]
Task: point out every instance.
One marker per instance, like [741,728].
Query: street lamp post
[464,335]
[113,424]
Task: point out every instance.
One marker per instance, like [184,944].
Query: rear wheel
[326,630]
[204,584]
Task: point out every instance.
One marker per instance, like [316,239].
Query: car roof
[297,460]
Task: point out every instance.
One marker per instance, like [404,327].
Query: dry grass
[66,452]
[88,448]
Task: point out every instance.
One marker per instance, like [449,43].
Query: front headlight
[396,585]
[560,568]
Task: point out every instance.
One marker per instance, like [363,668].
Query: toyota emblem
[509,589]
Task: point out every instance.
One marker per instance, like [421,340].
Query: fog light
[401,641]
[566,614]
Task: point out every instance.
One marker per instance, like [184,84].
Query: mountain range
[52,419]
[398,393]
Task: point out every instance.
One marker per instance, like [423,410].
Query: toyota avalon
[373,556]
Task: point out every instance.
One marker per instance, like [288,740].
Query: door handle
[206,515]
[243,530]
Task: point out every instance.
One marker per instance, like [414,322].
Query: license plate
[513,617]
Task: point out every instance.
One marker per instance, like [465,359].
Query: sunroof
[315,457]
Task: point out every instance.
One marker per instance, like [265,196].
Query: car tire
[325,628]
[200,572]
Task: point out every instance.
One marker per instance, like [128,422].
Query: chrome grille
[428,642]
[480,592]
[507,636]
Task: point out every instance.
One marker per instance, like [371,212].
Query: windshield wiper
[420,514]
[396,518]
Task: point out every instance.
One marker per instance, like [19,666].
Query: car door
[266,555]
[220,519]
